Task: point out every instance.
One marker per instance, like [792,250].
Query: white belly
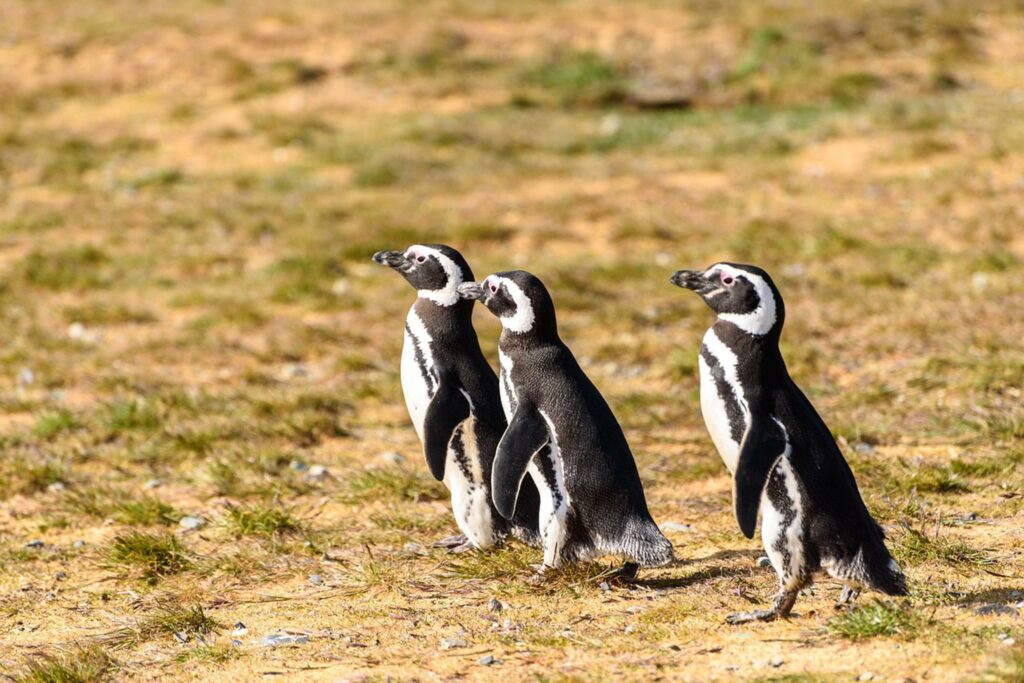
[418,376]
[470,496]
[553,513]
[713,403]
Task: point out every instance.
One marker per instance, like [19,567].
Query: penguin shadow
[715,571]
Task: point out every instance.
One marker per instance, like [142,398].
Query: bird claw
[451,541]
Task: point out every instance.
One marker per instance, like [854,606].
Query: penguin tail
[883,573]
[647,546]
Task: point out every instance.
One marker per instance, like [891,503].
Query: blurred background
[190,193]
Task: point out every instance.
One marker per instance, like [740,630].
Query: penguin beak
[472,291]
[693,280]
[392,259]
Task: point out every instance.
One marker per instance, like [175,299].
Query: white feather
[760,320]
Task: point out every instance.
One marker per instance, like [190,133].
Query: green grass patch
[262,521]
[917,548]
[149,556]
[169,620]
[79,664]
[50,425]
[878,619]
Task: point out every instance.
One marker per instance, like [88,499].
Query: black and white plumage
[452,395]
[563,434]
[781,454]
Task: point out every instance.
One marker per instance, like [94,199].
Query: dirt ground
[204,438]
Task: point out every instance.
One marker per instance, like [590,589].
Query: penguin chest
[721,398]
[508,392]
[419,378]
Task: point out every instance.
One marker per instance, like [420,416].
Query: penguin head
[519,300]
[741,294]
[435,270]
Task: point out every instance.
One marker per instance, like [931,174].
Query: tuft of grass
[53,424]
[132,414]
[209,654]
[392,482]
[1007,668]
[116,504]
[917,548]
[270,521]
[74,268]
[33,477]
[152,556]
[582,79]
[877,619]
[78,665]
[169,620]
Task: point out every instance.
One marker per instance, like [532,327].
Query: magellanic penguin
[781,454]
[564,435]
[452,396]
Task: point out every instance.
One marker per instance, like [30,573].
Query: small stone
[298,466]
[26,376]
[316,579]
[240,629]
[35,545]
[276,639]
[78,544]
[979,281]
[763,561]
[676,526]
[866,676]
[864,448]
[629,628]
[56,487]
[776,662]
[605,586]
[236,642]
[391,458]
[153,484]
[334,555]
[181,636]
[412,548]
[495,605]
[60,576]
[341,287]
[1008,641]
[488,660]
[295,370]
[191,523]
[995,609]
[317,472]
[453,643]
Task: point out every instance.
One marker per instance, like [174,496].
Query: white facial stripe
[522,320]
[762,319]
[447,295]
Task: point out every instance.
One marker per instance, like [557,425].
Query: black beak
[693,280]
[392,259]
[472,291]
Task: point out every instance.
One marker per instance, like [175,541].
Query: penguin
[781,455]
[452,396]
[563,434]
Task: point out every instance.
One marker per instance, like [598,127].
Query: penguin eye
[493,287]
[727,280]
[421,258]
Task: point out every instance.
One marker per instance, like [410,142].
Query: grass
[878,619]
[148,556]
[80,664]
[181,622]
[189,198]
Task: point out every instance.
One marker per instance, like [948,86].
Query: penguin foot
[462,548]
[756,615]
[626,572]
[847,596]
[451,541]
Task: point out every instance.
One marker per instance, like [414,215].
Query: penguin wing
[763,445]
[527,433]
[446,410]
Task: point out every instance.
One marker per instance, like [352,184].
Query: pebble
[864,448]
[78,544]
[488,660]
[334,555]
[317,472]
[293,370]
[35,544]
[240,629]
[316,579]
[995,609]
[391,458]
[191,523]
[153,484]
[56,487]
[236,642]
[676,526]
[411,548]
[1008,641]
[453,643]
[78,332]
[181,636]
[866,676]
[60,576]
[26,376]
[298,466]
[341,287]
[275,639]
[495,605]
[763,561]
[605,586]
[629,628]
[776,662]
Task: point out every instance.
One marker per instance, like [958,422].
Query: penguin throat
[524,317]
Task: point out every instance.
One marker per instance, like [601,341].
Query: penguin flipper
[446,410]
[527,433]
[763,445]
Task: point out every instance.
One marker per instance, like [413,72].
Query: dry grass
[189,196]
